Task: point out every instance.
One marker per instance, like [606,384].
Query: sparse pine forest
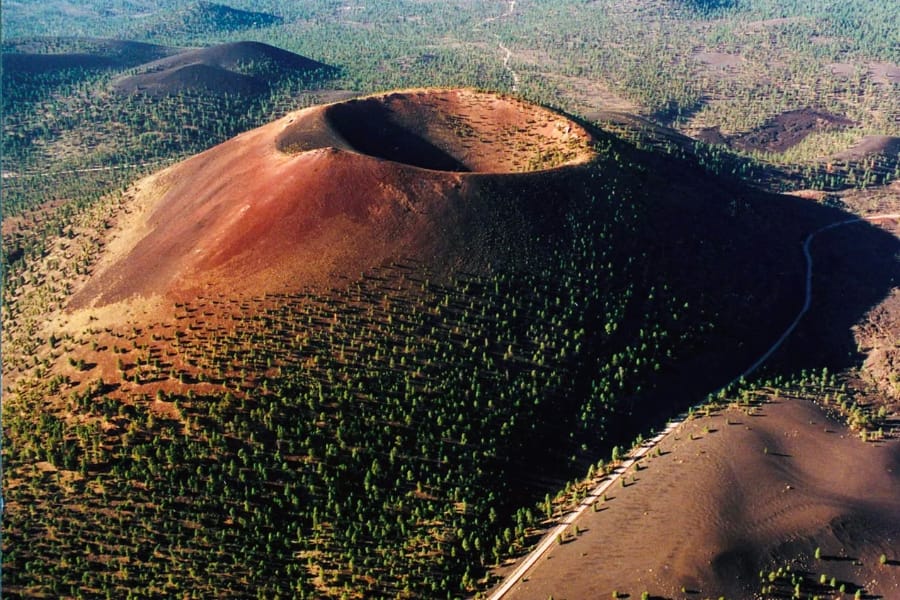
[689,65]
[381,439]
[401,434]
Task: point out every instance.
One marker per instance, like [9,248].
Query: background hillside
[239,69]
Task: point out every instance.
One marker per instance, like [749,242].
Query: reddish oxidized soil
[323,193]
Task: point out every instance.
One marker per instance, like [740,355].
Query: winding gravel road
[550,538]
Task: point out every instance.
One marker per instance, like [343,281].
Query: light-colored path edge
[549,538]
[18,174]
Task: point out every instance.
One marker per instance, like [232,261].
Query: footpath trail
[508,54]
[510,7]
[512,73]
[550,537]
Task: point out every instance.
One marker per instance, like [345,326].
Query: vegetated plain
[394,418]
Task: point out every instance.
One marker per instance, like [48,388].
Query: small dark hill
[788,129]
[44,55]
[233,68]
[205,18]
[871,145]
[251,57]
[193,78]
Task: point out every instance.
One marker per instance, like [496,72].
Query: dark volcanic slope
[704,517]
[789,129]
[871,145]
[196,77]
[234,55]
[203,18]
[86,54]
[234,68]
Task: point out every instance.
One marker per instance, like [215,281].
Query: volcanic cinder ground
[729,495]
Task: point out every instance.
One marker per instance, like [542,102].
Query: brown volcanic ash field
[333,190]
[716,507]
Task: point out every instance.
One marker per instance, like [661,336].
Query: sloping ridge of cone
[330,191]
[217,70]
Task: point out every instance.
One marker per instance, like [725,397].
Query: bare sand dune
[748,493]
[331,191]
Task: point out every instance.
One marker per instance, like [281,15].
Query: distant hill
[205,18]
[234,68]
[196,77]
[247,57]
[41,55]
[41,63]
[871,145]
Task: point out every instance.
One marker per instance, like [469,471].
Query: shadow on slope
[736,254]
[856,267]
[42,55]
[243,68]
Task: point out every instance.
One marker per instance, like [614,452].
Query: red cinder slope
[296,203]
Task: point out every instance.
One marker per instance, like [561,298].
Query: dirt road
[550,538]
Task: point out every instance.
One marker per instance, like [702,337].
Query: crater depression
[458,130]
[448,176]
